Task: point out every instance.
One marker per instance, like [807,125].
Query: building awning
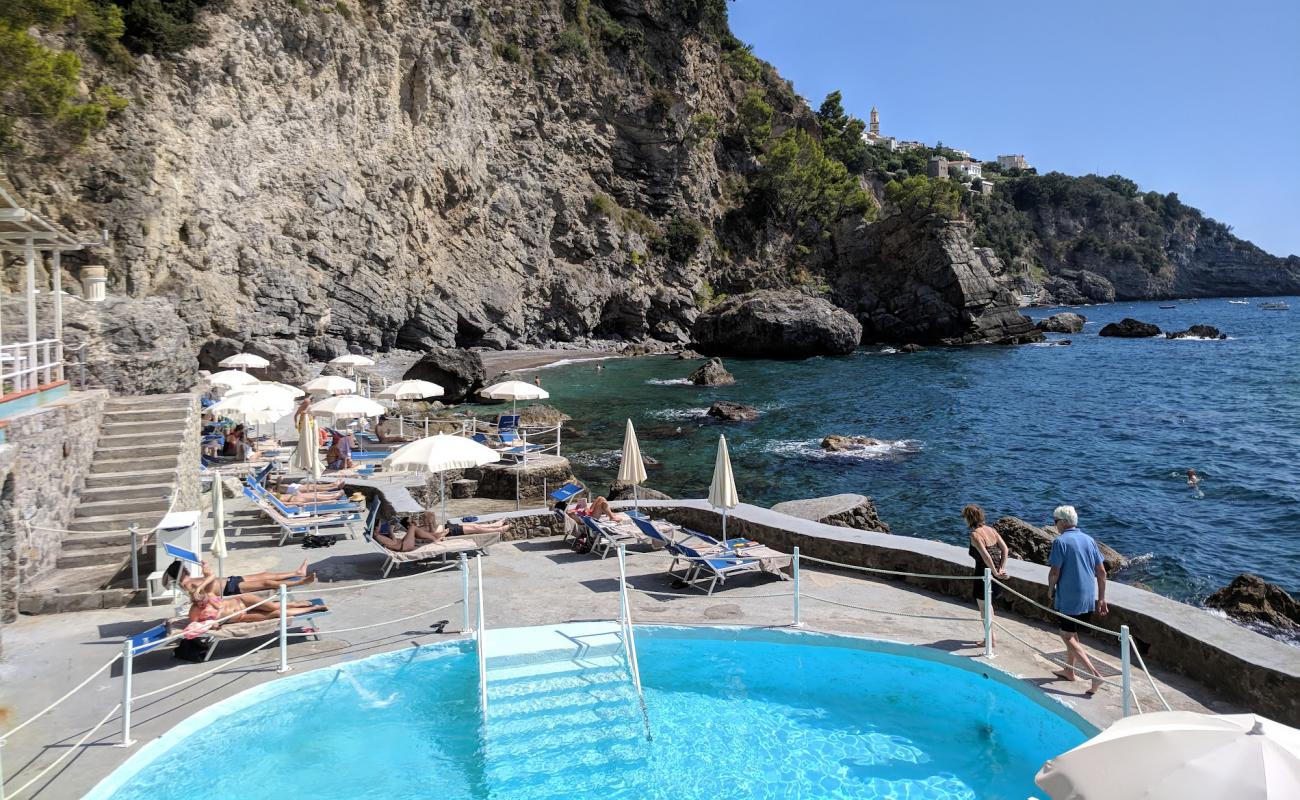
[19,224]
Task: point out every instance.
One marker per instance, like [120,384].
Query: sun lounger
[301,525]
[305,509]
[715,567]
[607,536]
[306,623]
[567,492]
[507,422]
[441,549]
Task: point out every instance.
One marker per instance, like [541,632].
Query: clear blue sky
[1194,97]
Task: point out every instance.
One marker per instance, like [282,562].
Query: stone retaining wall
[1254,670]
[189,490]
[8,527]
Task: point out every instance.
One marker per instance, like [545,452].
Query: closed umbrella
[306,456]
[1178,755]
[331,384]
[230,377]
[411,390]
[439,453]
[243,361]
[722,492]
[632,468]
[346,407]
[514,391]
[219,525]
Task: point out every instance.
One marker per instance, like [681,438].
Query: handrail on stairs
[629,638]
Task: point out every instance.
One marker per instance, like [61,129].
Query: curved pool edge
[160,745]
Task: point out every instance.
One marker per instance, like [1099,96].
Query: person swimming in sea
[1193,480]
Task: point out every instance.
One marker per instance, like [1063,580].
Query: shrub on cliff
[842,134]
[919,194]
[805,188]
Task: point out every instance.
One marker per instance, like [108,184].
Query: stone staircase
[131,480]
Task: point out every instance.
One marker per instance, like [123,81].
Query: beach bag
[192,649]
[582,542]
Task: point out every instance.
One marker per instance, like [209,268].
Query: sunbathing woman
[600,509]
[295,494]
[206,607]
[239,584]
[425,528]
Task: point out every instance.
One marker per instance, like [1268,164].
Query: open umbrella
[352,360]
[267,387]
[632,468]
[514,391]
[243,361]
[345,407]
[439,453]
[331,384]
[722,492]
[230,377]
[1175,755]
[411,390]
[253,408]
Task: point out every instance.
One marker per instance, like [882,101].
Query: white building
[969,169]
[1013,162]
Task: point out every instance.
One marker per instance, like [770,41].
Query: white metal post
[1124,645]
[135,554]
[56,286]
[2,770]
[426,427]
[622,584]
[284,629]
[29,251]
[464,590]
[798,623]
[558,428]
[988,613]
[128,656]
[478,635]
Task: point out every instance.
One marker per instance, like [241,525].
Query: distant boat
[1275,306]
[1169,306]
[1240,302]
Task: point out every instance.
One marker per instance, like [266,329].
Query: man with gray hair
[1077,585]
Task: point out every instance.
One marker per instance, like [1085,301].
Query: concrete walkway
[529,582]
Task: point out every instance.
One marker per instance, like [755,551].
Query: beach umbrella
[243,361]
[632,468]
[722,492]
[437,454]
[345,407]
[253,408]
[219,526]
[230,378]
[306,455]
[411,390]
[267,387]
[1174,755]
[351,360]
[514,391]
[331,384]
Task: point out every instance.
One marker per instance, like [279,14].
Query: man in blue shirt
[1077,585]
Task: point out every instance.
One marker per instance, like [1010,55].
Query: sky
[1185,96]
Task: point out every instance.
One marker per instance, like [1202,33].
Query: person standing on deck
[1077,585]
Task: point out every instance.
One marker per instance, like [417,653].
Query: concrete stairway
[131,480]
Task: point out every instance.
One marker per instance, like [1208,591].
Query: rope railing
[55,764]
[1143,666]
[896,572]
[56,703]
[1054,612]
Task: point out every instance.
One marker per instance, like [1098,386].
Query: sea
[1107,425]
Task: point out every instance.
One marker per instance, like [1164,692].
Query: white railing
[478,642]
[629,638]
[25,366]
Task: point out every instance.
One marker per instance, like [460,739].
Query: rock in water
[1251,598]
[541,415]
[687,355]
[1129,328]
[733,412]
[837,443]
[1197,332]
[911,348]
[776,324]
[1079,287]
[459,372]
[841,510]
[623,491]
[712,373]
[1065,322]
[1032,543]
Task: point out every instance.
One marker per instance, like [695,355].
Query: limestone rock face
[1251,598]
[712,373]
[919,279]
[1079,287]
[842,510]
[1129,328]
[1032,543]
[1065,322]
[459,372]
[733,412]
[133,345]
[776,324]
[1197,332]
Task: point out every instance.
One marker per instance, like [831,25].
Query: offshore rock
[623,491]
[1129,328]
[776,324]
[911,347]
[1251,598]
[918,278]
[459,372]
[712,373]
[540,415]
[733,412]
[1065,322]
[842,510]
[837,443]
[1079,287]
[1197,332]
[1034,544]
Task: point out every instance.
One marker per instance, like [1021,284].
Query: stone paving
[535,581]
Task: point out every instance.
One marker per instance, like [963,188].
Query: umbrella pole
[442,492]
[636,502]
[724,527]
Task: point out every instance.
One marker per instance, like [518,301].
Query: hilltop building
[937,167]
[968,168]
[1013,162]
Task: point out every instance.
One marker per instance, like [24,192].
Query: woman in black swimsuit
[989,552]
[240,584]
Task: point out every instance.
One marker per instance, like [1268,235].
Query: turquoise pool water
[733,714]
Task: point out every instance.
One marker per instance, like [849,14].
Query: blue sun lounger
[606,537]
[715,567]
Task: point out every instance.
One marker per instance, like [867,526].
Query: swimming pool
[732,713]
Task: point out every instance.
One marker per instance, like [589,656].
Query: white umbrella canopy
[722,492]
[439,453]
[1176,755]
[331,384]
[514,391]
[253,408]
[412,390]
[346,406]
[352,360]
[243,361]
[231,377]
[269,387]
[632,467]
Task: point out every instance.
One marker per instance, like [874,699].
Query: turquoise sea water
[731,717]
[1106,425]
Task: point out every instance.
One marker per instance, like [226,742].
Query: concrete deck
[530,582]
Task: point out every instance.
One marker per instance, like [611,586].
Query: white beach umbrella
[230,377]
[267,387]
[514,391]
[253,408]
[439,453]
[306,456]
[722,492]
[632,467]
[331,384]
[345,407]
[1176,755]
[411,390]
[243,361]
[352,360]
